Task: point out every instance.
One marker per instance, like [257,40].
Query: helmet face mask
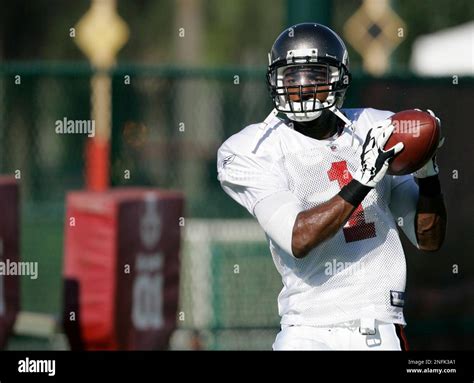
[307,80]
[304,91]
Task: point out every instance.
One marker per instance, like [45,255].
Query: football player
[315,177]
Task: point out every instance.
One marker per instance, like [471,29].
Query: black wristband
[431,205]
[429,187]
[354,192]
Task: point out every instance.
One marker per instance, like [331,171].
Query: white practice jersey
[358,273]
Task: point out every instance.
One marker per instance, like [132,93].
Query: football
[420,134]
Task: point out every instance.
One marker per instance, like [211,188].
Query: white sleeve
[257,183]
[277,214]
[378,115]
[247,177]
[403,201]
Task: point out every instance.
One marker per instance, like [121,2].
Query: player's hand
[431,167]
[374,160]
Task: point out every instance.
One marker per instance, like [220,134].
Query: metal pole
[100,34]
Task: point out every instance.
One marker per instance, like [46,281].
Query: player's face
[307,78]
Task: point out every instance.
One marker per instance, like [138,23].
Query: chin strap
[272,114]
[348,122]
[263,126]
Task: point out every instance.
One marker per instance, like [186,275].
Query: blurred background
[189,74]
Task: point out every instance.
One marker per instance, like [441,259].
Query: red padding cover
[122,268]
[9,254]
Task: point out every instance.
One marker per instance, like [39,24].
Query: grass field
[42,242]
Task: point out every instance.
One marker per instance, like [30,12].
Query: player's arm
[317,224]
[431,216]
[419,208]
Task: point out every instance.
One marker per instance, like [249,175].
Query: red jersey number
[356,228]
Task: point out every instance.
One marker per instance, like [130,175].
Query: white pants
[347,336]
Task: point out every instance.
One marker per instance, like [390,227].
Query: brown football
[420,133]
